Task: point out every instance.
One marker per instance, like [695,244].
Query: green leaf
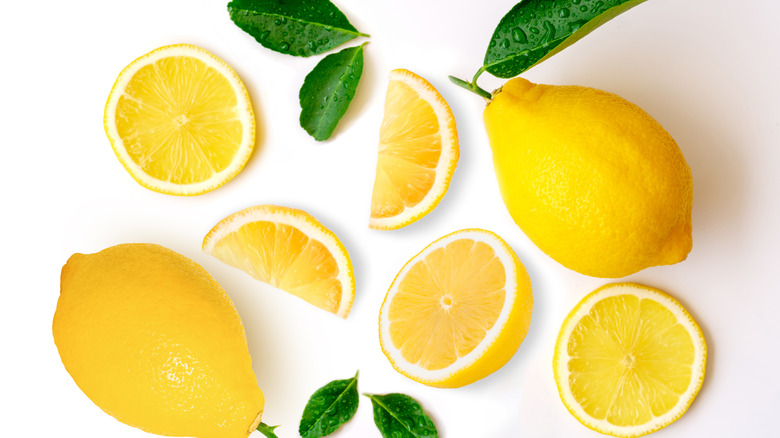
[400,416]
[293,27]
[267,430]
[534,30]
[329,407]
[328,90]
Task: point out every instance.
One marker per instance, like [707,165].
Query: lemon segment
[418,152]
[629,360]
[457,311]
[180,121]
[287,249]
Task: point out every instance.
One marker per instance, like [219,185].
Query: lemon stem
[472,86]
[267,430]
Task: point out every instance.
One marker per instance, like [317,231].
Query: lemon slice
[629,360]
[290,250]
[180,121]
[418,152]
[457,311]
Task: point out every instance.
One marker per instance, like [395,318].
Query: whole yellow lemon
[153,340]
[590,178]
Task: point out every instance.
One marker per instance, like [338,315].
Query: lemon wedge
[290,250]
[418,152]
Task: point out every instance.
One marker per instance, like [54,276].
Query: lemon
[153,340]
[289,249]
[418,152]
[180,121]
[457,311]
[590,178]
[629,360]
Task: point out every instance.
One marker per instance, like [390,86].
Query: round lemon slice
[457,311]
[290,250]
[629,360]
[180,121]
[418,152]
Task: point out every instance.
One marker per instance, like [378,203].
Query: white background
[706,69]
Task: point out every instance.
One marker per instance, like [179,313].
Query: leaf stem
[477,74]
[472,86]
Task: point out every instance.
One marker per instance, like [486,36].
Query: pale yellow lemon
[153,340]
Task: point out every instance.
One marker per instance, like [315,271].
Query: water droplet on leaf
[576,25]
[519,36]
[549,32]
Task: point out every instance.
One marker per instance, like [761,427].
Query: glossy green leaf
[329,407]
[534,30]
[401,416]
[328,90]
[293,27]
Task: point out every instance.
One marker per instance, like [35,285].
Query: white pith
[246,116]
[507,260]
[562,358]
[308,226]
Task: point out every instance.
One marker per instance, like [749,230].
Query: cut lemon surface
[418,152]
[180,121]
[457,311]
[290,250]
[629,360]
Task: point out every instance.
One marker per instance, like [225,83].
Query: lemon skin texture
[153,340]
[592,179]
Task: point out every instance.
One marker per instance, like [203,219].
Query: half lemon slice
[180,121]
[290,250]
[629,360]
[457,311]
[418,152]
